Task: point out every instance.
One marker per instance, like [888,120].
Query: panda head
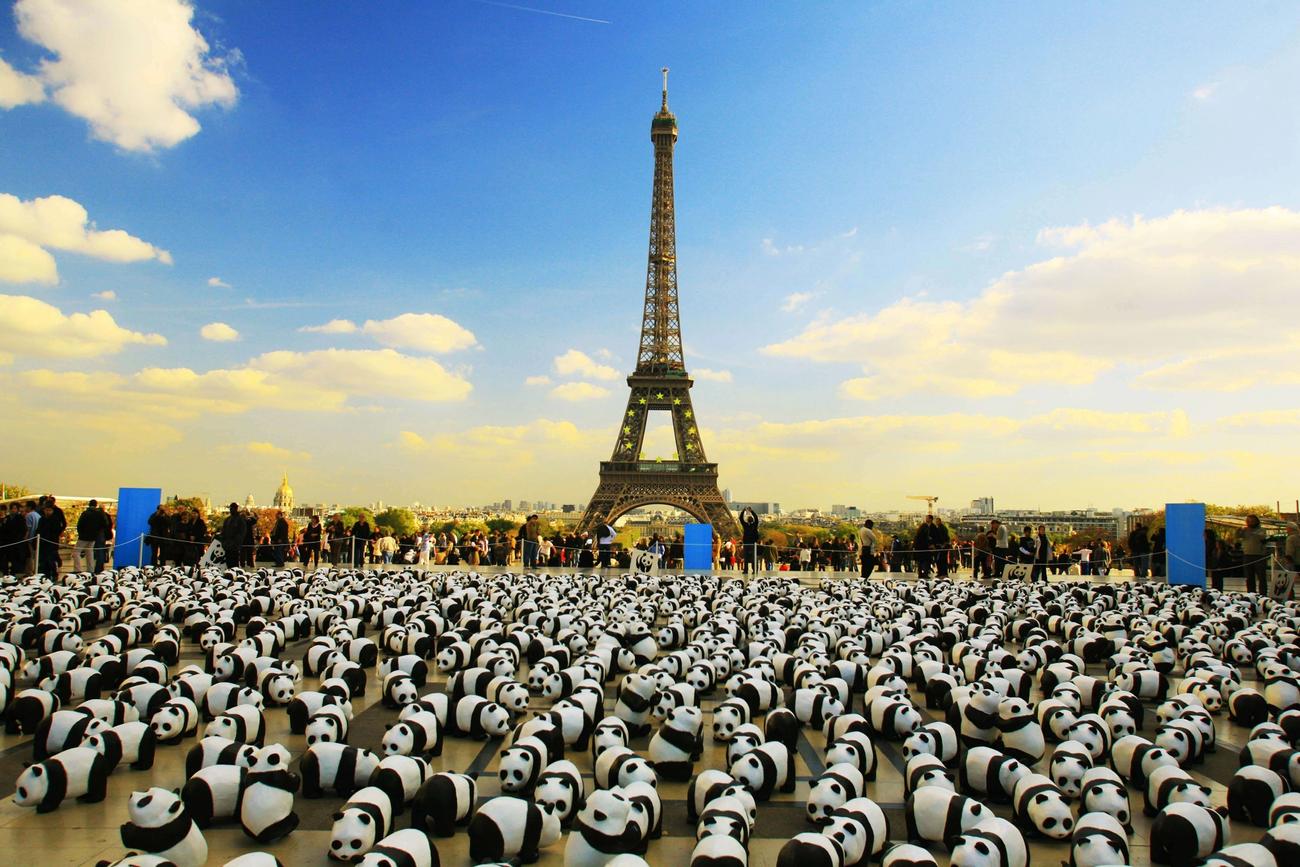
[686,719]
[513,696]
[726,719]
[826,796]
[1067,772]
[1190,792]
[323,729]
[555,793]
[272,757]
[404,692]
[975,851]
[448,658]
[1092,847]
[1011,772]
[154,807]
[1051,815]
[850,834]
[1120,721]
[353,834]
[746,739]
[1175,742]
[606,812]
[608,734]
[222,727]
[906,721]
[32,785]
[168,722]
[494,719]
[278,689]
[1091,735]
[637,770]
[1013,709]
[517,769]
[744,797]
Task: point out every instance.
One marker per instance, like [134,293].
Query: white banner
[646,563]
[1017,571]
[1281,580]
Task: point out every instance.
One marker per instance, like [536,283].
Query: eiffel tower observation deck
[660,383]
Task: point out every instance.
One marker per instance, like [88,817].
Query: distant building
[508,505]
[1083,520]
[568,507]
[726,495]
[738,506]
[982,505]
[248,502]
[524,505]
[284,495]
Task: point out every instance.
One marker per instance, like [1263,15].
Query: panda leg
[144,753]
[788,785]
[913,835]
[444,824]
[97,790]
[282,828]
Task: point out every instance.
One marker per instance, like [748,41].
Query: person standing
[1254,558]
[387,547]
[941,542]
[1042,554]
[90,534]
[232,536]
[921,545]
[531,531]
[867,543]
[279,539]
[360,542]
[749,539]
[309,547]
[979,556]
[605,536]
[13,533]
[48,533]
[159,524]
[1139,549]
[1212,570]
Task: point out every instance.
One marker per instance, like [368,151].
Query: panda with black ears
[159,824]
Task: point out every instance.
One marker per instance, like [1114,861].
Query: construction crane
[929,502]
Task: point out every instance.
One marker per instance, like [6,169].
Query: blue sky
[888,245]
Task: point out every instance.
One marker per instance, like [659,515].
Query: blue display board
[1185,543]
[134,506]
[697,547]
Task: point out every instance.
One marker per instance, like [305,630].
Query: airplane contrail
[543,11]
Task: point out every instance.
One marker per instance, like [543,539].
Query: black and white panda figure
[645,819]
[560,790]
[1186,834]
[506,828]
[1104,792]
[79,773]
[856,748]
[305,704]
[1173,785]
[1135,758]
[399,690]
[893,718]
[764,770]
[619,766]
[213,794]
[1020,735]
[994,842]
[677,744]
[707,785]
[277,687]
[476,717]
[728,816]
[926,770]
[1251,794]
[937,739]
[1091,731]
[221,697]
[418,734]
[1055,717]
[1242,855]
[609,732]
[364,820]
[521,764]
[159,824]
[410,663]
[219,751]
[570,718]
[979,718]
[636,696]
[131,742]
[328,724]
[244,724]
[1285,809]
[405,848]
[176,720]
[28,709]
[1247,707]
[1040,806]
[814,706]
[833,788]
[810,850]
[861,829]
[988,772]
[907,855]
[782,726]
[937,815]
[1283,841]
[64,729]
[444,803]
[760,695]
[719,851]
[1099,839]
[339,767]
[1070,761]
[401,777]
[266,809]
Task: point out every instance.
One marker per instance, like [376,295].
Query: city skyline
[931,250]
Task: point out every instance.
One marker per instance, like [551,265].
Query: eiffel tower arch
[660,382]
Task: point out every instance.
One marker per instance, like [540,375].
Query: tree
[352,514]
[502,525]
[399,520]
[10,491]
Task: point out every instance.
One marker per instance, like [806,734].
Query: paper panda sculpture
[677,744]
[1103,791]
[810,850]
[1099,839]
[835,787]
[266,809]
[339,767]
[160,825]
[716,851]
[1041,806]
[1173,785]
[907,855]
[764,770]
[506,828]
[62,730]
[560,790]
[401,778]
[360,824]
[1186,834]
[861,829]
[599,830]
[213,794]
[993,842]
[1070,761]
[939,816]
[407,848]
[1251,794]
[79,773]
[131,742]
[219,751]
[444,803]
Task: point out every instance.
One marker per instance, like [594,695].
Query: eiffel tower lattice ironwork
[660,382]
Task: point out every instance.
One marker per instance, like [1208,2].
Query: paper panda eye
[982,848]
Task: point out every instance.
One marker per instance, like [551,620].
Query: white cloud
[771,248]
[334,326]
[1273,418]
[106,295]
[218,283]
[795,300]
[711,375]
[1236,369]
[27,228]
[543,379]
[577,391]
[366,372]
[1205,91]
[427,332]
[264,449]
[134,71]
[1143,293]
[17,88]
[575,362]
[34,329]
[218,332]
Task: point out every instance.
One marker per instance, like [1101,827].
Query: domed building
[284,495]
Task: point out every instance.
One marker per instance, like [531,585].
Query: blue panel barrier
[134,506]
[697,547]
[1185,543]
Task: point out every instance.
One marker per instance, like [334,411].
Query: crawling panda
[79,773]
[1099,839]
[158,823]
[1186,833]
[993,842]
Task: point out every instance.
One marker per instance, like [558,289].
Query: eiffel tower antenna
[660,382]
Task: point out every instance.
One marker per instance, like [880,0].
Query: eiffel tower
[660,382]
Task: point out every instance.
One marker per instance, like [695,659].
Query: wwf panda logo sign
[1017,572]
[1283,579]
[214,556]
[646,562]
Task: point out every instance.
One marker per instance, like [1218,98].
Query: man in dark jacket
[13,554]
[232,535]
[49,530]
[1139,549]
[1042,553]
[922,545]
[280,539]
[749,538]
[159,526]
[360,543]
[92,528]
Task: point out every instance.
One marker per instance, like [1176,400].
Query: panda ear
[1040,799]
